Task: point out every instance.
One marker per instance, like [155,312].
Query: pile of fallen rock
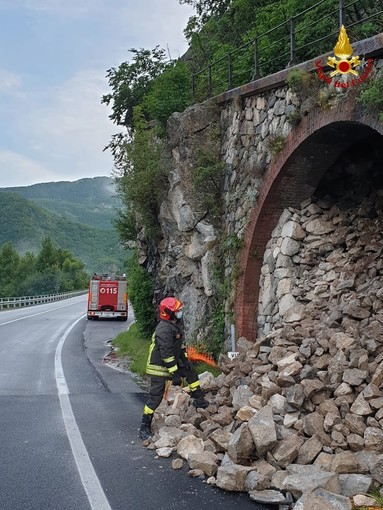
[284,424]
[297,417]
[329,257]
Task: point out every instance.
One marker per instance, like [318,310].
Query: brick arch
[310,150]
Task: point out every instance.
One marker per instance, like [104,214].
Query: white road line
[39,313]
[89,478]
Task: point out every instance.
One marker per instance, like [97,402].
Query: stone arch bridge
[292,176]
[271,163]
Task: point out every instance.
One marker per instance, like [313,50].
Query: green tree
[52,270]
[9,267]
[74,276]
[171,92]
[27,268]
[47,282]
[131,81]
[48,256]
[207,8]
[142,183]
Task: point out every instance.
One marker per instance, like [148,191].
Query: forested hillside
[25,224]
[92,202]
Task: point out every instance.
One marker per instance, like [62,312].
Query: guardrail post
[256,74]
[230,71]
[341,13]
[292,41]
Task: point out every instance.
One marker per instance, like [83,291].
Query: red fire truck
[107,298]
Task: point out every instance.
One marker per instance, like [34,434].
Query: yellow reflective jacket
[165,352]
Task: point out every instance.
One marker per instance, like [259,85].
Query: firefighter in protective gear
[167,361]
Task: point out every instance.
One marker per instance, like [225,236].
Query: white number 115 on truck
[107,298]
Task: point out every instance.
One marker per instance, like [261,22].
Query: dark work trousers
[157,386]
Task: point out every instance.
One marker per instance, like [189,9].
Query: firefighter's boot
[146,426]
[199,400]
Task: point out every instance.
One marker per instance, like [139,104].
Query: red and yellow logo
[346,67]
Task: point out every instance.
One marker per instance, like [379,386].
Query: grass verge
[136,347]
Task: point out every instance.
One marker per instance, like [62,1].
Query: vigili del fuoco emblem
[346,67]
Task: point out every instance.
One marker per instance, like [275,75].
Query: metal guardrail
[250,62]
[23,301]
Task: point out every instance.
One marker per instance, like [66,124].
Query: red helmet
[168,307]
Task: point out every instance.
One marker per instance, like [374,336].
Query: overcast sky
[53,60]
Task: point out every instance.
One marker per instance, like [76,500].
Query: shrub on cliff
[140,288]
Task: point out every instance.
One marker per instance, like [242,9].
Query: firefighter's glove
[176,379]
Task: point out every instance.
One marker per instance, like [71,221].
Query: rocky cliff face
[183,263]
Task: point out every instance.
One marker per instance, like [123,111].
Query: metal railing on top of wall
[250,61]
[18,302]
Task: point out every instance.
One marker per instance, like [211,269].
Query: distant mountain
[92,202]
[25,222]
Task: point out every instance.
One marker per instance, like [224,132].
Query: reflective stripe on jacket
[165,350]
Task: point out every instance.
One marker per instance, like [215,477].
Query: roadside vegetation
[135,346]
[51,271]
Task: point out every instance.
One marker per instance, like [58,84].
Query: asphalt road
[69,423]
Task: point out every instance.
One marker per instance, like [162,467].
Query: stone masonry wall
[248,130]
